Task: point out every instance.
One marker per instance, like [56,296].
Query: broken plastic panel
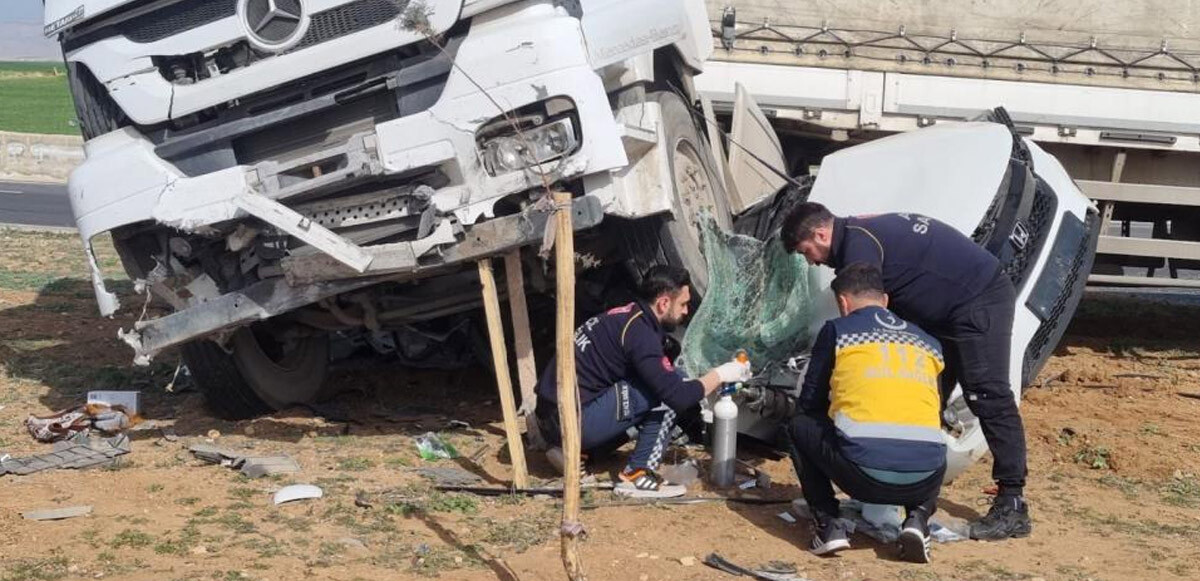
[760,298]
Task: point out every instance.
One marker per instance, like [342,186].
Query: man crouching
[868,416]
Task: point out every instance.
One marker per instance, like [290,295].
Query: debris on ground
[449,476]
[431,447]
[129,401]
[250,466]
[782,574]
[80,451]
[67,423]
[57,513]
[684,473]
[296,492]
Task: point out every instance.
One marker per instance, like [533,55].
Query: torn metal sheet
[71,454]
[483,239]
[57,513]
[305,229]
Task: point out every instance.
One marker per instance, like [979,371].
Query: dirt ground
[1114,454]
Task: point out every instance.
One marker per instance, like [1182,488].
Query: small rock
[1038,579]
[458,560]
[72,568]
[352,543]
[214,434]
[688,561]
[653,557]
[643,577]
[199,550]
[311,434]
[642,555]
[249,430]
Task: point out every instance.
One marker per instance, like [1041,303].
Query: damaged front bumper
[275,296]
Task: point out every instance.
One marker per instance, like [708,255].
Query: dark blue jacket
[625,343]
[929,268]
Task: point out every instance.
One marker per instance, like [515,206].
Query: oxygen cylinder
[724,454]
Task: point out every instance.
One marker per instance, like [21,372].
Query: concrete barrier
[37,157]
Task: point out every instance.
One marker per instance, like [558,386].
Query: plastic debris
[296,492]
[129,400]
[430,446]
[67,423]
[787,517]
[684,473]
[57,513]
[78,452]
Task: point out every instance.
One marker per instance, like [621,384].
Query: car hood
[950,172]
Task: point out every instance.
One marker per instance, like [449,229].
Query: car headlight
[533,146]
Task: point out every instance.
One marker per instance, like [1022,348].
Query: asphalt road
[34,204]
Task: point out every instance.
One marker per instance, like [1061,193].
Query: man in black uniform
[626,380]
[942,281]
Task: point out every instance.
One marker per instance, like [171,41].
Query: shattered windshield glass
[759,298]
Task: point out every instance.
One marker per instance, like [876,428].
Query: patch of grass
[519,534]
[131,538]
[206,512]
[397,462]
[244,493]
[1182,490]
[155,488]
[187,500]
[460,503]
[236,523]
[1128,486]
[1094,457]
[35,569]
[1151,429]
[37,102]
[355,464]
[429,561]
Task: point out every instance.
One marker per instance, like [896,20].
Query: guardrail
[38,157]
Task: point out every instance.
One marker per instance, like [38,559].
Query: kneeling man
[627,381]
[868,416]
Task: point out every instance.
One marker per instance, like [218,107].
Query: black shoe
[830,535]
[1007,519]
[914,537]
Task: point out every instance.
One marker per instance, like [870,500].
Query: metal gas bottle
[724,454]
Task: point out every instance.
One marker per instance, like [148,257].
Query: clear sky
[20,10]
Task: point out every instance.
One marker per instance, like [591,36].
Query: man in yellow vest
[868,416]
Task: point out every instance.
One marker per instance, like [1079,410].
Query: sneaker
[1007,519]
[914,538]
[830,535]
[645,483]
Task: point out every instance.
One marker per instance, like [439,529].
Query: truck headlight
[533,146]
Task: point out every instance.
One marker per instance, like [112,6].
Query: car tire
[249,381]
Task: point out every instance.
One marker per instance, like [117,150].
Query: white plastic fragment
[787,517]
[296,492]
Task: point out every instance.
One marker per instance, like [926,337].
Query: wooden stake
[523,342]
[568,395]
[491,308]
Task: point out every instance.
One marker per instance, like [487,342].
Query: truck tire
[696,186]
[254,378]
[94,107]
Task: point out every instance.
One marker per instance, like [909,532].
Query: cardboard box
[130,399]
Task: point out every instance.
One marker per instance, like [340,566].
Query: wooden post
[568,395]
[523,342]
[491,308]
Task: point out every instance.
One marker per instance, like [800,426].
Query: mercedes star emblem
[273,25]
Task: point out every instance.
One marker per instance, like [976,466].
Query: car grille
[348,19]
[1063,306]
[1041,216]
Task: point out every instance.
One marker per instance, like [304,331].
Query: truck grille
[1068,280]
[348,19]
[174,19]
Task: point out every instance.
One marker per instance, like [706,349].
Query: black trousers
[976,342]
[818,460]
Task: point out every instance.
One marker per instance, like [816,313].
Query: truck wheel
[260,375]
[696,187]
[94,107]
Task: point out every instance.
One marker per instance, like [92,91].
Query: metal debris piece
[79,452]
[296,492]
[251,466]
[259,466]
[787,517]
[717,562]
[57,513]
[449,476]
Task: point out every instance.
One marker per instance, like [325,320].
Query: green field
[34,98]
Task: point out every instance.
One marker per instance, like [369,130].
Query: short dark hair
[859,279]
[803,220]
[660,280]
